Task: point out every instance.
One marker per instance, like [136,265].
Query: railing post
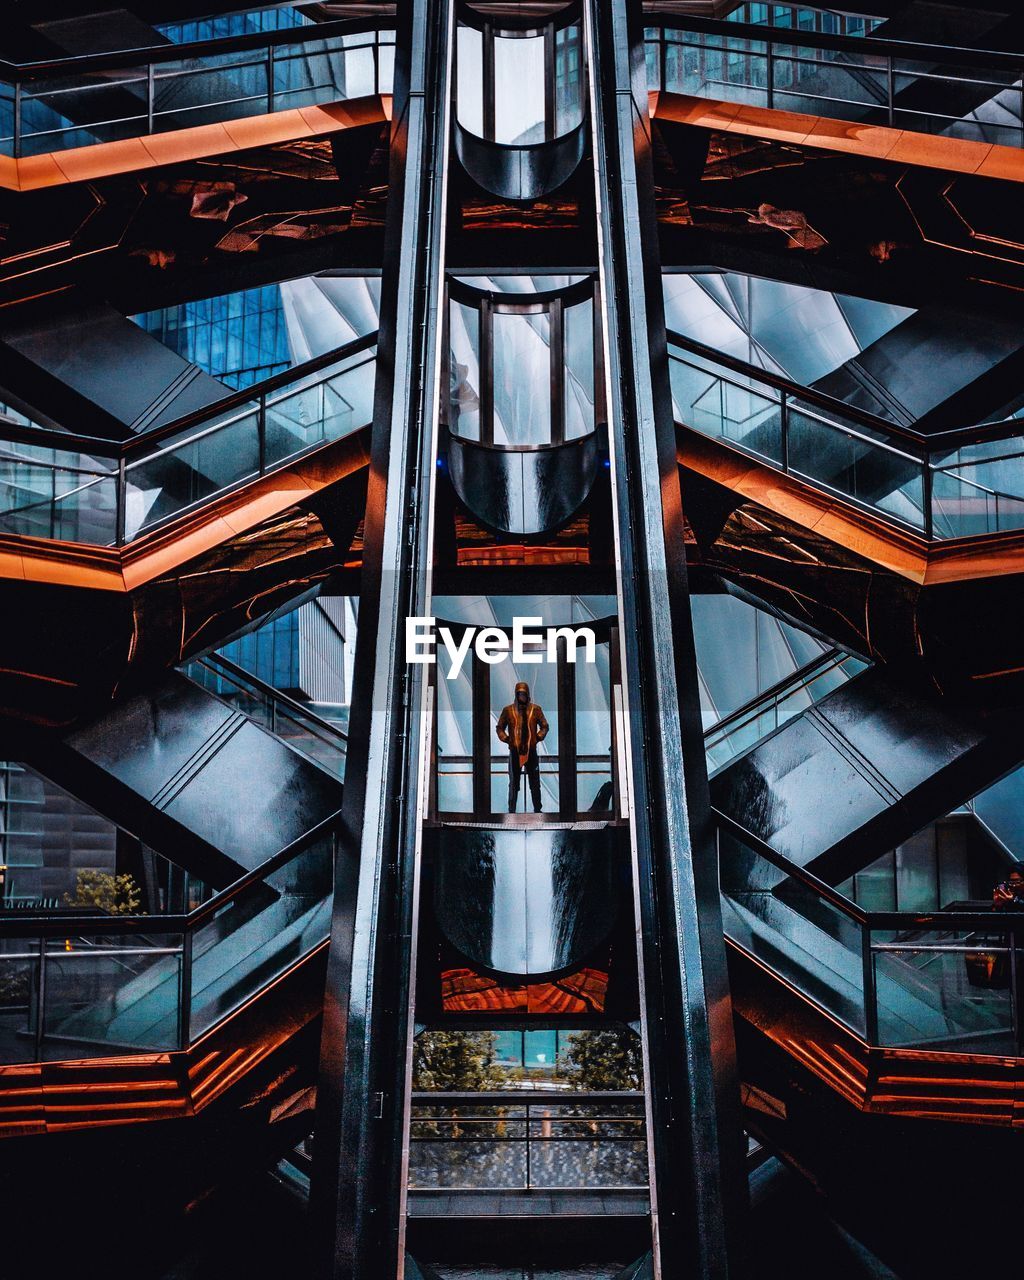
[1015,993]
[870,1001]
[41,1000]
[890,90]
[121,503]
[185,991]
[529,1172]
[150,96]
[261,433]
[784,416]
[270,78]
[770,47]
[926,498]
[17,120]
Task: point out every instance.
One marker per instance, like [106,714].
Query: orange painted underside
[463,991]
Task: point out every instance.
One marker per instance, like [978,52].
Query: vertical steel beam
[696,1152]
[358,1182]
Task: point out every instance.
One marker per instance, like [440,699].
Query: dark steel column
[697,1184]
[358,1167]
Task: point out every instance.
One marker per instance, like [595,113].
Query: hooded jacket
[511,720]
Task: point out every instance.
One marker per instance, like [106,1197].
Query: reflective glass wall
[522,359]
[519,85]
[577,753]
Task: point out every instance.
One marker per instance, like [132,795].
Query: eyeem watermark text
[495,644]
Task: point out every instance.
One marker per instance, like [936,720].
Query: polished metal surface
[697,1178]
[527,902]
[521,173]
[523,491]
[887,758]
[59,361]
[176,765]
[358,1191]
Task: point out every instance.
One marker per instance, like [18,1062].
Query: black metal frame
[888,52]
[697,1174]
[509,28]
[148,59]
[524,1101]
[914,446]
[484,755]
[551,302]
[1010,923]
[358,1192]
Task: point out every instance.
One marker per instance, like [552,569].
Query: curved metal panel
[521,173]
[523,491]
[526,901]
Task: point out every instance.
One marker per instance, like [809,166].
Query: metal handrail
[866,59]
[64,926]
[926,443]
[146,448]
[820,887]
[1008,923]
[824,662]
[147,112]
[510,1097]
[213,661]
[25,72]
[912,50]
[924,448]
[873,920]
[72,442]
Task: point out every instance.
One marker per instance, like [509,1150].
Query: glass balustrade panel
[204,461]
[19,999]
[260,935]
[978,490]
[950,991]
[47,493]
[732,68]
[279,717]
[841,457]
[227,86]
[805,938]
[827,82]
[102,106]
[104,994]
[738,411]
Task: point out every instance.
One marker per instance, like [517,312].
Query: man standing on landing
[522,726]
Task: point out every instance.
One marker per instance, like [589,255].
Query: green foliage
[117,895]
[14,984]
[453,1061]
[599,1060]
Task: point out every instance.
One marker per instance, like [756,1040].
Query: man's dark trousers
[532,768]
